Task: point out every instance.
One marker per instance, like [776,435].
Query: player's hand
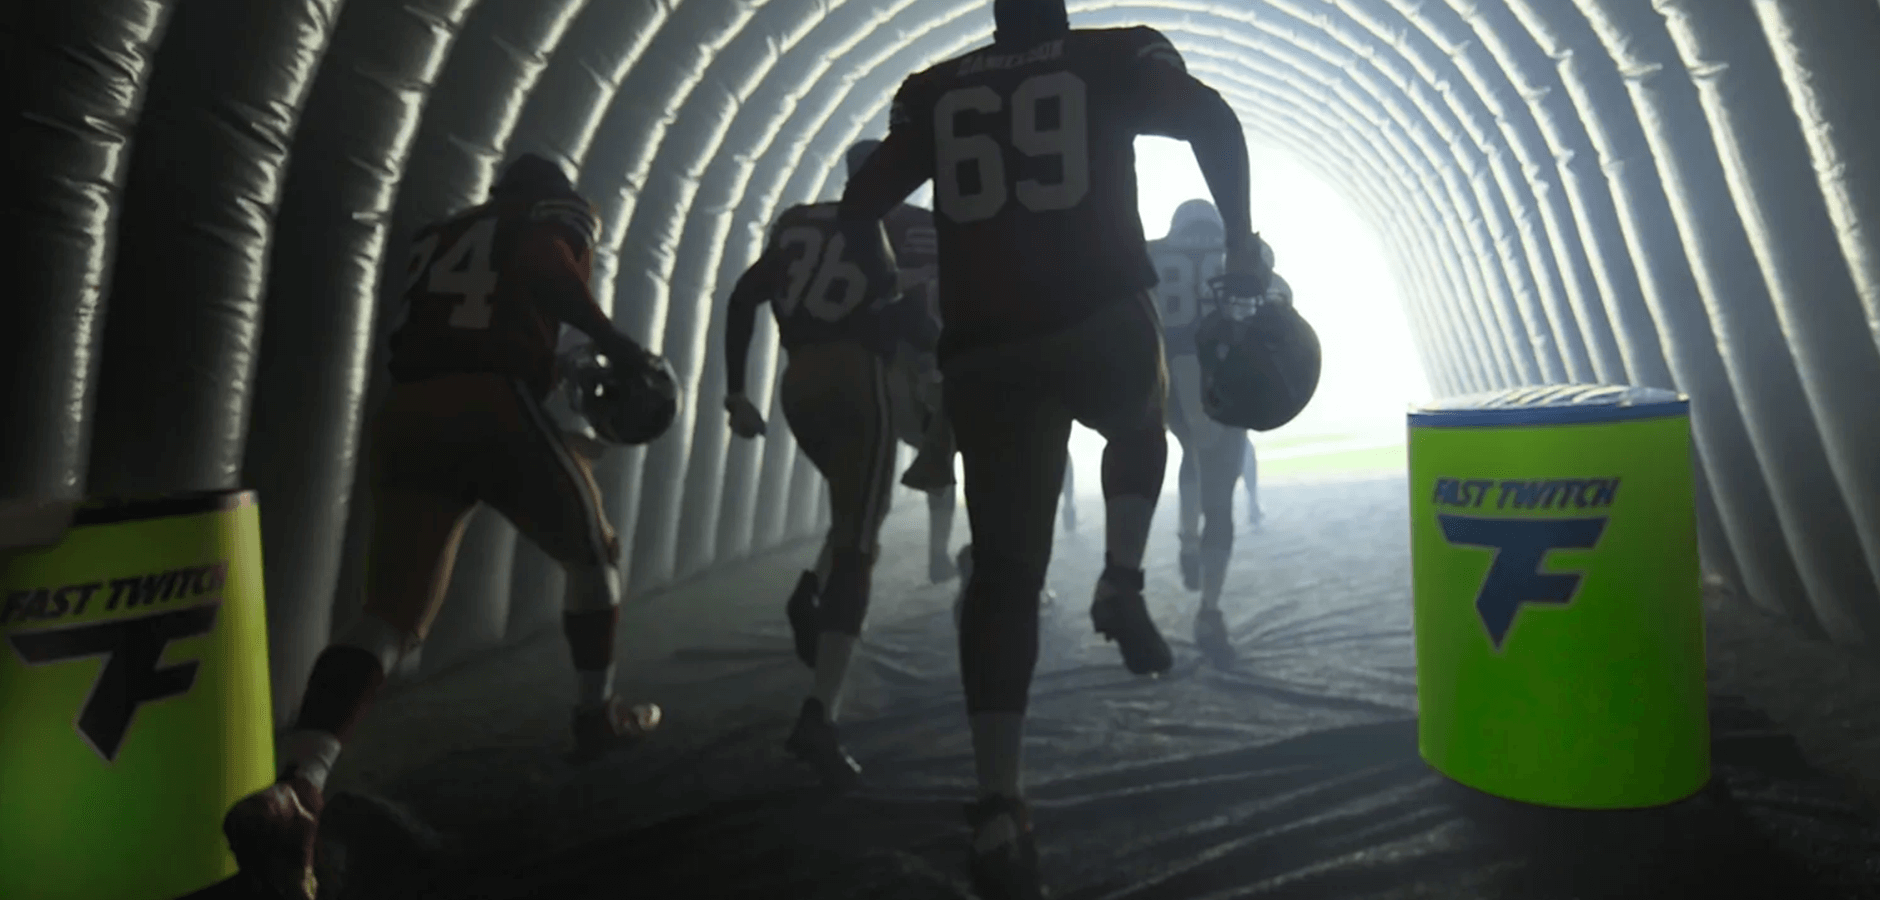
[1248,273]
[746,421]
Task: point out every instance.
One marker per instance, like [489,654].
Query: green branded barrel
[1559,622]
[133,699]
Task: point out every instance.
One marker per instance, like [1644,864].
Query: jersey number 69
[1068,140]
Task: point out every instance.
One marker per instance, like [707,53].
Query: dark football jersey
[1032,156]
[468,289]
[824,292]
[1183,269]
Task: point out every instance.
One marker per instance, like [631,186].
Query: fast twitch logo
[1521,540]
[131,645]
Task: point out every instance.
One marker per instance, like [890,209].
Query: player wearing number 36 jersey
[1044,280]
[488,291]
[829,287]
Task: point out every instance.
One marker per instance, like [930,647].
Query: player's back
[1184,265]
[468,288]
[827,293]
[1034,171]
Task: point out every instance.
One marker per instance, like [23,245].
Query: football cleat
[1120,615]
[805,623]
[1211,637]
[814,741]
[612,725]
[272,833]
[929,472]
[1005,854]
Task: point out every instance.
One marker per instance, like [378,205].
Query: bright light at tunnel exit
[1341,282]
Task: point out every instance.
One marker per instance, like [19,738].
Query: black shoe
[815,742]
[1211,637]
[612,725]
[1120,615]
[804,621]
[1008,871]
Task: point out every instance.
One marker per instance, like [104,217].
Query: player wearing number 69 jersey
[488,291]
[1047,319]
[831,288]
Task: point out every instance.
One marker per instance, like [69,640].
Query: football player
[486,292]
[1048,319]
[832,287]
[1191,255]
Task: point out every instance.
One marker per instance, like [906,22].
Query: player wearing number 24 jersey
[1047,320]
[830,287]
[488,291]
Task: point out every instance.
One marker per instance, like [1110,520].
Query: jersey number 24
[1068,140]
[463,272]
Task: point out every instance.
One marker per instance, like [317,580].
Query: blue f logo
[1520,546]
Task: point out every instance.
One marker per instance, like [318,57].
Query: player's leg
[1012,437]
[1218,452]
[1109,371]
[932,469]
[1184,379]
[1250,478]
[418,516]
[549,494]
[839,402]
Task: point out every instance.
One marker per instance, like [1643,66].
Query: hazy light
[1340,281]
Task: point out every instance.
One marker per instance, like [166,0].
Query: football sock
[594,687]
[940,509]
[309,753]
[998,753]
[590,635]
[1126,529]
[833,652]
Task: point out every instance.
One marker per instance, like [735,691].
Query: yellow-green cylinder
[1558,607]
[133,699]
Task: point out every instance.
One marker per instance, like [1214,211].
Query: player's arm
[550,254]
[902,163]
[1175,104]
[761,283]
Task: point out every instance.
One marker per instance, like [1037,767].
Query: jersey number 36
[463,272]
[823,281]
[1068,139]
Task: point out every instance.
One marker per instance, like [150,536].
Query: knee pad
[385,641]
[591,588]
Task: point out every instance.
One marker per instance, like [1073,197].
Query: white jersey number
[1068,139]
[463,271]
[821,270]
[1181,276]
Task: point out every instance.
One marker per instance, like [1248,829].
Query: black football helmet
[634,402]
[1259,358]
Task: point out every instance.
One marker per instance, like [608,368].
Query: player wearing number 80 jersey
[1047,320]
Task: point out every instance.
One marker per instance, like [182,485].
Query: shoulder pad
[576,215]
[1150,46]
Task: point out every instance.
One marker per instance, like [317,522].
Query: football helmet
[1259,358]
[626,402]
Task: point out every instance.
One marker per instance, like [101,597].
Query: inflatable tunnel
[214,202]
